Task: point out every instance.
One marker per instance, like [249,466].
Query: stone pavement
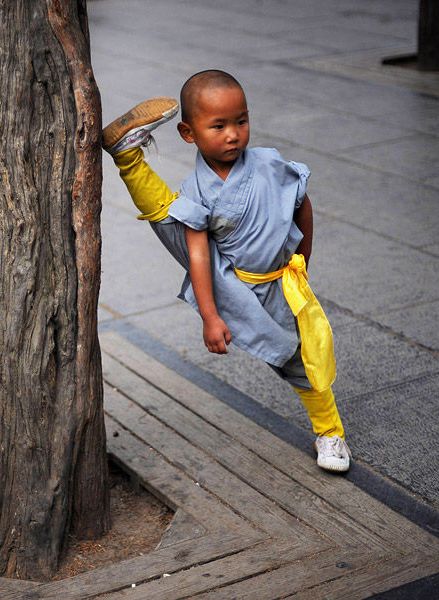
[370,134]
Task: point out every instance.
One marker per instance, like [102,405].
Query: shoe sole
[333,468]
[153,112]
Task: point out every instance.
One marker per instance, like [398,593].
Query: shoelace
[150,141]
[135,137]
[332,446]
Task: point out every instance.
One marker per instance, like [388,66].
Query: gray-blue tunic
[250,222]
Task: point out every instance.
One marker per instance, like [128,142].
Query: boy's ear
[185,130]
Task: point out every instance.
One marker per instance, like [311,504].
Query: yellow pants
[152,197]
[322,411]
[149,192]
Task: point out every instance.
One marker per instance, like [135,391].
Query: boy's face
[219,127]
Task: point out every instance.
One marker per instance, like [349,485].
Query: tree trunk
[428,35]
[53,469]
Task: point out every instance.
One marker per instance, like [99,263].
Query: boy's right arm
[216,334]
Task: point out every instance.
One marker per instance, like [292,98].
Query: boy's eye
[243,121]
[218,126]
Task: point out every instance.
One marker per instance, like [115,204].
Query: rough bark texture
[428,35]
[53,470]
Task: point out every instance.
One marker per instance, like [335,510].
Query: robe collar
[211,185]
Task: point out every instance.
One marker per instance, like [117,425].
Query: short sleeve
[302,172]
[190,213]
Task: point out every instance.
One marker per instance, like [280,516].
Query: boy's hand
[216,335]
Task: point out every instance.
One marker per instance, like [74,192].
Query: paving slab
[238,369]
[341,92]
[335,36]
[417,155]
[415,323]
[432,248]
[390,205]
[347,259]
[331,131]
[395,434]
[370,65]
[433,181]
[384,21]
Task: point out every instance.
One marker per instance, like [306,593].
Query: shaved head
[195,85]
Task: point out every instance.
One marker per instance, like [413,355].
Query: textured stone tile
[387,204]
[180,327]
[134,85]
[434,181]
[331,131]
[415,322]
[385,21]
[418,155]
[278,9]
[367,273]
[337,317]
[345,38]
[368,66]
[370,362]
[340,93]
[370,358]
[433,248]
[284,51]
[198,41]
[396,432]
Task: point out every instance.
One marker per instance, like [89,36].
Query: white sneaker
[333,453]
[133,129]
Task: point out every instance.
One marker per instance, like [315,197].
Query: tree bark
[428,35]
[53,468]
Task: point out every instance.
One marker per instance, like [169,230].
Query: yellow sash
[317,346]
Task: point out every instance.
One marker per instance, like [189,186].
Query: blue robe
[249,218]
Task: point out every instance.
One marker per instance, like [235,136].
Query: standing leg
[333,453]
[322,412]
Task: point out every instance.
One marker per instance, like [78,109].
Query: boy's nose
[232,134]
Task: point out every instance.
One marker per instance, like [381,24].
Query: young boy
[241,225]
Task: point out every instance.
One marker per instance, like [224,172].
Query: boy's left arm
[304,220]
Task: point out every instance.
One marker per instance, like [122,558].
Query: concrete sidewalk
[370,135]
